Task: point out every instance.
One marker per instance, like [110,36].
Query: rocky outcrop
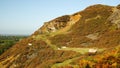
[94,36]
[115,17]
[58,23]
[118,7]
[55,24]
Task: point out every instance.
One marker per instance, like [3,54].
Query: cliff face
[114,18]
[58,23]
[66,38]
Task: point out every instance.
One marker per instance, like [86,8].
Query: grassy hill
[64,42]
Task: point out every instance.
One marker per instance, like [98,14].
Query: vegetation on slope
[93,20]
[45,50]
[8,41]
[39,54]
[108,59]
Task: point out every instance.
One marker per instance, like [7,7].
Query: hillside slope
[61,42]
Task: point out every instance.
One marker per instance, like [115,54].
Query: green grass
[66,62]
[80,50]
[44,38]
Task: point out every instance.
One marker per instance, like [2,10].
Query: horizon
[14,35]
[24,17]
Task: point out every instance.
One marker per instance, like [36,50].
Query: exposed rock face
[93,36]
[55,24]
[118,6]
[115,17]
[74,18]
[58,23]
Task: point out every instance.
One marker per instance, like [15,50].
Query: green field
[8,41]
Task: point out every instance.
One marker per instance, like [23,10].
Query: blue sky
[26,16]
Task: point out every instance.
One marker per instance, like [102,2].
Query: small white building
[64,47]
[92,50]
[30,44]
[59,49]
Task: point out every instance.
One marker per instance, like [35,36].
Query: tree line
[7,41]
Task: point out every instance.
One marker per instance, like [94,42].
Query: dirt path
[66,62]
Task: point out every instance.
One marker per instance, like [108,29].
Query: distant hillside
[65,42]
